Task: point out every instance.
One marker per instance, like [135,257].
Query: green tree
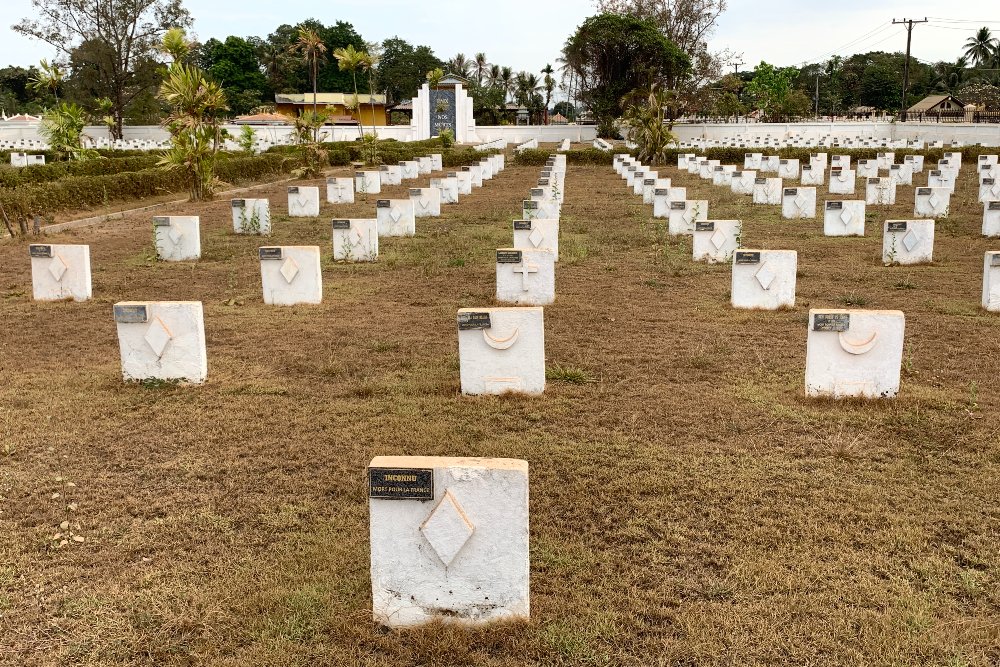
[48,77]
[613,55]
[235,64]
[311,46]
[646,122]
[351,60]
[982,48]
[402,69]
[550,85]
[121,34]
[62,127]
[770,88]
[480,66]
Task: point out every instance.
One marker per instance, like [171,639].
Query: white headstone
[798,203]
[880,191]
[367,182]
[395,217]
[991,218]
[251,216]
[355,240]
[901,174]
[340,190]
[476,172]
[854,353]
[844,218]
[501,350]
[178,237]
[683,215]
[715,241]
[769,164]
[536,234]
[391,174]
[663,197]
[424,166]
[436,162]
[907,242]
[989,190]
[931,202]
[291,275]
[916,163]
[303,202]
[813,175]
[788,168]
[751,161]
[867,168]
[449,539]
[767,191]
[764,279]
[937,178]
[464,179]
[448,187]
[742,182]
[991,282]
[60,272]
[162,340]
[841,181]
[426,202]
[410,169]
[526,277]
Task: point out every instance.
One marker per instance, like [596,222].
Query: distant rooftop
[326,99]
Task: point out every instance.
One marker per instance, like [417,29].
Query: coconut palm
[369,63]
[550,85]
[48,78]
[351,60]
[506,82]
[982,49]
[481,67]
[313,50]
[460,65]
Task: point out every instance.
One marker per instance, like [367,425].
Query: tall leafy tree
[460,65]
[480,66]
[122,34]
[235,64]
[550,85]
[312,49]
[48,77]
[403,68]
[351,60]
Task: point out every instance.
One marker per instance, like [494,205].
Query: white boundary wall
[987,134]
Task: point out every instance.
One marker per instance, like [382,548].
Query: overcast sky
[527,34]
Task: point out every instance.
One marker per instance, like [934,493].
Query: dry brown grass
[689,505]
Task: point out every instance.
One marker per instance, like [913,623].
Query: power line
[946,20]
[867,35]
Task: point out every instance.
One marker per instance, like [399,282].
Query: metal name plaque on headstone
[988,181]
[993,206]
[836,322]
[923,192]
[293,190]
[782,161]
[995,259]
[873,181]
[807,167]
[383,203]
[737,174]
[543,181]
[416,192]
[269,253]
[760,181]
[897,226]
[537,192]
[985,167]
[704,226]
[40,251]
[452,174]
[719,168]
[131,314]
[834,205]
[661,192]
[161,221]
[359,174]
[836,170]
[478,320]
[649,181]
[401,483]
[791,192]
[894,167]
[508,256]
[466,168]
[984,158]
[908,158]
[341,224]
[239,203]
[746,257]
[522,225]
[678,205]
[530,205]
[934,172]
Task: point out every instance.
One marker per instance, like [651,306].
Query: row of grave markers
[845,365]
[801,141]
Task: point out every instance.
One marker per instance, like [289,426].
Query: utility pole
[736,66]
[906,65]
[817,94]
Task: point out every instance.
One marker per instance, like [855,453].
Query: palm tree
[949,77]
[351,60]
[506,81]
[368,63]
[460,65]
[550,85]
[48,77]
[312,48]
[982,48]
[481,67]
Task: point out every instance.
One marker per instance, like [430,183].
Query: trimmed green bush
[12,177]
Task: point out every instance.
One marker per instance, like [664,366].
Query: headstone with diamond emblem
[355,240]
[162,340]
[537,234]
[767,191]
[991,218]
[763,279]
[663,197]
[526,277]
[842,181]
[931,202]
[788,169]
[426,202]
[684,214]
[303,201]
[798,203]
[715,241]
[991,282]
[854,353]
[742,182]
[812,175]
[395,217]
[449,540]
[907,242]
[178,237]
[291,275]
[844,218]
[60,272]
[989,189]
[501,350]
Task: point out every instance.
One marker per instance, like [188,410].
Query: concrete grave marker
[683,215]
[844,218]
[291,275]
[355,240]
[854,353]
[991,282]
[409,169]
[841,181]
[367,182]
[788,169]
[251,216]
[303,202]
[426,202]
[931,202]
[526,277]
[436,162]
[537,234]
[340,190]
[663,197]
[798,203]
[449,539]
[464,179]
[178,237]
[60,272]
[991,218]
[501,350]
[391,174]
[395,217]
[162,340]
[916,163]
[880,191]
[812,175]
[448,187]
[764,279]
[752,161]
[937,178]
[715,241]
[742,182]
[424,165]
[907,242]
[769,164]
[989,190]
[767,191]
[901,174]
[476,173]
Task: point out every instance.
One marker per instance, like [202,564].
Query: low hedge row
[536,157]
[11,177]
[79,192]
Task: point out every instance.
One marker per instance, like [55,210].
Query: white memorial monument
[526,277]
[178,237]
[907,242]
[395,217]
[355,240]
[764,279]
[291,275]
